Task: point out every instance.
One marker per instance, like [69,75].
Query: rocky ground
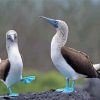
[53,95]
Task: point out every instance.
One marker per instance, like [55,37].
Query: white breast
[58,59]
[16,68]
[62,65]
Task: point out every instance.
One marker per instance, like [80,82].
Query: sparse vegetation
[43,82]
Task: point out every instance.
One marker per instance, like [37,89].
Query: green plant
[43,82]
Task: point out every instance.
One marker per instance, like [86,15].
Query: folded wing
[4,69]
[79,61]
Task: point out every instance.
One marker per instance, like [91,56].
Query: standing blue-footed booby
[11,68]
[70,62]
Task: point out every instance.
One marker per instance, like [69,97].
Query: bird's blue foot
[67,89]
[11,94]
[27,80]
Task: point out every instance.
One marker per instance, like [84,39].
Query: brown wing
[4,69]
[79,61]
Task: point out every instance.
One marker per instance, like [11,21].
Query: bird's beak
[12,38]
[53,22]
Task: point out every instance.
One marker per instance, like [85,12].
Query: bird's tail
[0,60]
[97,67]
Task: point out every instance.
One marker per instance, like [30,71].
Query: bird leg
[25,80]
[67,89]
[11,94]
[28,79]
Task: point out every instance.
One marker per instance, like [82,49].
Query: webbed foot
[27,80]
[11,94]
[67,89]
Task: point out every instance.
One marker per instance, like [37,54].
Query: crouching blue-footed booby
[11,68]
[70,62]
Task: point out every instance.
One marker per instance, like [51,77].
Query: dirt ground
[80,94]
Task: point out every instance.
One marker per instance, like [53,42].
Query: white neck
[16,64]
[58,60]
[59,39]
[13,53]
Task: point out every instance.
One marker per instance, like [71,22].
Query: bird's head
[58,24]
[62,31]
[11,38]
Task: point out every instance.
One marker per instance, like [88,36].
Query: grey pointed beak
[53,22]
[12,37]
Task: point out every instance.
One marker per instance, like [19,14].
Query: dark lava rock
[80,94]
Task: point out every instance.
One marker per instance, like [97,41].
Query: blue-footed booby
[70,62]
[11,68]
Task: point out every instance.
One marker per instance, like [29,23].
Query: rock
[80,94]
[93,87]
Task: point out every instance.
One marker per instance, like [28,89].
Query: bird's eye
[15,37]
[8,37]
[56,22]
